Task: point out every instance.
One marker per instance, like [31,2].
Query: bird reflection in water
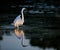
[20,35]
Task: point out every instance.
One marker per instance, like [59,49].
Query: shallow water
[37,33]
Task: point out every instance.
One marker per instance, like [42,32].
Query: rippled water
[37,33]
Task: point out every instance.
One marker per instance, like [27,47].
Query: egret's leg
[17,27]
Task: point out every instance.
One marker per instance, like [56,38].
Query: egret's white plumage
[19,20]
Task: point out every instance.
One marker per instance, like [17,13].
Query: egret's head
[23,9]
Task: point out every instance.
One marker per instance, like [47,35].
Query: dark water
[37,33]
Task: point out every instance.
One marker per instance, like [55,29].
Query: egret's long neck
[22,15]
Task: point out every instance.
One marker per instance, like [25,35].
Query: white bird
[19,20]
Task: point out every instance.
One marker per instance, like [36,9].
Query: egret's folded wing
[17,18]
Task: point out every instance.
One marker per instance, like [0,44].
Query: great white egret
[19,20]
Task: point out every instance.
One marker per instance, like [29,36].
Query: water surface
[37,33]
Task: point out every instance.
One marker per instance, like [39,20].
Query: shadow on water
[6,32]
[45,41]
[44,38]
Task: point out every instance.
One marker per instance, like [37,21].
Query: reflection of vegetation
[46,42]
[2,32]
[43,37]
[7,32]
[1,38]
